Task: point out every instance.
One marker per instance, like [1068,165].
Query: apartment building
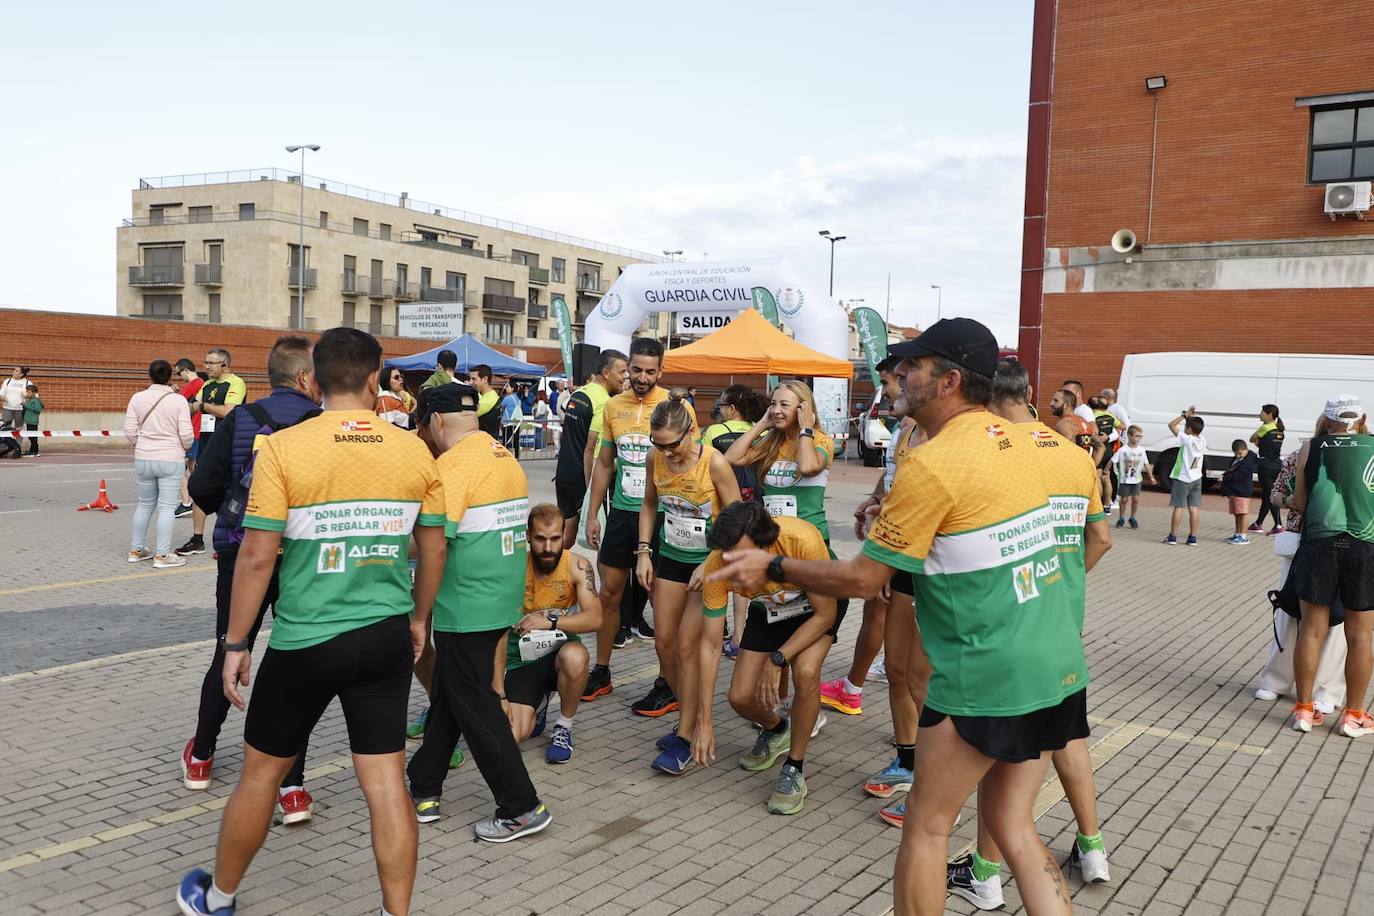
[225,247]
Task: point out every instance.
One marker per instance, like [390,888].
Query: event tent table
[750,345]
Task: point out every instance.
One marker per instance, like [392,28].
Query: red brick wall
[93,363]
[1232,145]
[1093,332]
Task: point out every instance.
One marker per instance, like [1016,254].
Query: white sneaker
[138,556]
[1266,694]
[167,561]
[959,880]
[1093,864]
[878,670]
[1326,708]
[820,723]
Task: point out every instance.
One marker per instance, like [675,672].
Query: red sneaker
[196,774]
[1355,723]
[295,806]
[833,695]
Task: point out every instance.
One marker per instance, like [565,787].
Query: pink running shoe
[833,695]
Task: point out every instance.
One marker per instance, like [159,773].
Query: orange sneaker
[834,696]
[1355,723]
[195,773]
[295,806]
[1305,717]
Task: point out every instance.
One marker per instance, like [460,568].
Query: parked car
[1228,389]
[873,432]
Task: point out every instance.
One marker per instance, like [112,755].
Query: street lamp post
[832,239]
[939,295]
[298,320]
[672,256]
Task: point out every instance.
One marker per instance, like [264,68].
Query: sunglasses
[669,446]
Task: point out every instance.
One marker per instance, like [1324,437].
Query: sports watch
[243,646]
[807,431]
[778,658]
[553,617]
[775,569]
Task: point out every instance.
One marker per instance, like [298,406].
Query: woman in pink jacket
[158,423]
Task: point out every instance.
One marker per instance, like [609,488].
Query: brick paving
[1208,804]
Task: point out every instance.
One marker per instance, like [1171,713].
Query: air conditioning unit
[1347,198]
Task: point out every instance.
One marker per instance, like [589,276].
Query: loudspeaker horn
[1124,241]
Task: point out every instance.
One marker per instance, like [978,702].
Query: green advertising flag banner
[872,331]
[565,339]
[766,305]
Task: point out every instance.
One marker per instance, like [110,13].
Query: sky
[725,130]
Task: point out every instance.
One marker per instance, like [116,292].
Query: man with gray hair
[221,393]
[1114,407]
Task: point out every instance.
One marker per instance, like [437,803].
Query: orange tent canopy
[749,345]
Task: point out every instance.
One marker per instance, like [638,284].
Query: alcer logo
[790,300]
[633,447]
[782,474]
[334,555]
[1025,578]
[611,305]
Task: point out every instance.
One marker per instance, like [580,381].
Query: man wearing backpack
[218,486]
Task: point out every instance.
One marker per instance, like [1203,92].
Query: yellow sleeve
[267,505]
[432,508]
[453,482]
[910,518]
[715,596]
[238,391]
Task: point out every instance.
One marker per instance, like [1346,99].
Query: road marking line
[106,660]
[73,583]
[89,480]
[18,511]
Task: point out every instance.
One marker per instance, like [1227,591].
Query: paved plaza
[1209,805]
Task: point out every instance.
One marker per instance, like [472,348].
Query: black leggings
[1268,473]
[213,704]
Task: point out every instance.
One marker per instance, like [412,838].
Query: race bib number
[207,423]
[780,612]
[780,504]
[685,533]
[539,643]
[632,482]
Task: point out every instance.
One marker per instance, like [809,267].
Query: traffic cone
[102,502]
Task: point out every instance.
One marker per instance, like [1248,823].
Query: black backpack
[237,502]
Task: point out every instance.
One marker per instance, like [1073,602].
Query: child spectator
[33,406]
[1185,493]
[1237,483]
[1131,465]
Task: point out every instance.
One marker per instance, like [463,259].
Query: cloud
[945,210]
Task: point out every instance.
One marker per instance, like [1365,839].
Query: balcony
[493,302]
[539,276]
[376,330]
[591,283]
[406,292]
[377,287]
[442,294]
[352,284]
[293,279]
[537,310]
[156,276]
[209,275]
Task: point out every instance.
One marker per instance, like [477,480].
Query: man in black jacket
[214,481]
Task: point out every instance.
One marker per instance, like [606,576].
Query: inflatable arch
[719,286]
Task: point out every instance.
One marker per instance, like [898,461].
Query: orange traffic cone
[102,502]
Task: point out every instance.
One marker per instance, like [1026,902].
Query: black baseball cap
[960,340]
[454,397]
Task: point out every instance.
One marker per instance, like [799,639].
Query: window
[455,281]
[402,274]
[247,211]
[425,276]
[1342,143]
[498,287]
[385,229]
[559,270]
[295,255]
[162,306]
[360,227]
[465,243]
[374,319]
[350,275]
[349,314]
[201,214]
[553,332]
[215,315]
[495,330]
[155,217]
[653,321]
[527,258]
[534,296]
[324,219]
[588,276]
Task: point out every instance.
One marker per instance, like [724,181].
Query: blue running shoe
[892,779]
[541,718]
[667,740]
[560,745]
[675,759]
[191,895]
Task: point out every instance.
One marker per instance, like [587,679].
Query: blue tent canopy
[471,352]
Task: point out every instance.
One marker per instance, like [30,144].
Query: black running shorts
[368,669]
[1015,739]
[674,570]
[1336,567]
[620,537]
[529,684]
[570,494]
[902,583]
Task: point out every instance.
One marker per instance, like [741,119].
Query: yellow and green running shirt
[625,425]
[787,492]
[976,515]
[554,592]
[228,390]
[797,540]
[344,489]
[688,502]
[486,505]
[598,395]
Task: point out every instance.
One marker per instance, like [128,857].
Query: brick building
[1221,173]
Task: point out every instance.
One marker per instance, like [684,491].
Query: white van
[1228,390]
